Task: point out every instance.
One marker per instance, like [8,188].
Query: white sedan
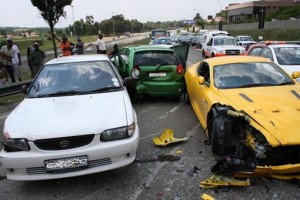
[76,119]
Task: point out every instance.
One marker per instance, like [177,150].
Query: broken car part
[167,137]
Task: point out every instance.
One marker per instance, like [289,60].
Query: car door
[267,53]
[122,62]
[201,92]
[182,52]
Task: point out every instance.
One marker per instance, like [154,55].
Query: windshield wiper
[99,90]
[59,93]
[159,65]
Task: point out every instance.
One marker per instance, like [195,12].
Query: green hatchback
[158,69]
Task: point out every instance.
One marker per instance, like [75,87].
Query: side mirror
[201,80]
[128,81]
[24,89]
[296,74]
[209,44]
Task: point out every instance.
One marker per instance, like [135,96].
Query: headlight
[117,133]
[14,145]
[219,51]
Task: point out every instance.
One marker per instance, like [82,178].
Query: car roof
[235,59]
[151,47]
[78,58]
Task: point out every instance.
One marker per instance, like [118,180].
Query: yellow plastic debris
[207,197]
[219,180]
[167,137]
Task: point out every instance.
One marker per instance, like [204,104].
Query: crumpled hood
[41,118]
[276,109]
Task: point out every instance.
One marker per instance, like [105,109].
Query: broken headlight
[118,133]
[14,145]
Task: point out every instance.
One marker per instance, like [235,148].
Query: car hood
[229,47]
[42,118]
[276,110]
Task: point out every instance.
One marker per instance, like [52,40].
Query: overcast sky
[21,13]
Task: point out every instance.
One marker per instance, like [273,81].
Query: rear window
[150,58]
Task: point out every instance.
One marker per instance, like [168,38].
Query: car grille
[232,52]
[281,156]
[64,143]
[91,164]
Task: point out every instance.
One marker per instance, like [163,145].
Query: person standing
[65,46]
[7,53]
[36,59]
[79,46]
[29,51]
[115,51]
[100,44]
[17,62]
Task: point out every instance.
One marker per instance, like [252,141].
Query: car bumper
[159,88]
[289,171]
[102,156]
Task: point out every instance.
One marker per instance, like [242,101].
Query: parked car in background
[159,33]
[184,38]
[245,41]
[222,46]
[200,41]
[194,40]
[247,106]
[158,69]
[161,40]
[76,119]
[284,53]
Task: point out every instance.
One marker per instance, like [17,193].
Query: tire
[186,97]
[215,145]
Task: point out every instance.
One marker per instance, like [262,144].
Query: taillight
[135,72]
[179,69]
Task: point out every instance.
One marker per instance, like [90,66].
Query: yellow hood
[276,109]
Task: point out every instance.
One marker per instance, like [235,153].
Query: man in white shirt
[100,44]
[17,62]
[7,53]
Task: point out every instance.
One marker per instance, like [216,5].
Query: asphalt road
[177,180]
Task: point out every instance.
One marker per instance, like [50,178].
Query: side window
[255,51]
[266,52]
[203,70]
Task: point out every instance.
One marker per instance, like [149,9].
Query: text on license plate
[158,74]
[66,163]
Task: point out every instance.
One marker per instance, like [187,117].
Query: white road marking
[170,111]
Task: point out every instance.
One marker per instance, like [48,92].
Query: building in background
[253,9]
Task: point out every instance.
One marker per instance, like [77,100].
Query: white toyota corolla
[76,119]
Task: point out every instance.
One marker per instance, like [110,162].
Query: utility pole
[113,26]
[73,21]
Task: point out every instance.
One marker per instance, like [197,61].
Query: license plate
[157,74]
[66,163]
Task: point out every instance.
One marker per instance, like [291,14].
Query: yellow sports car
[250,109]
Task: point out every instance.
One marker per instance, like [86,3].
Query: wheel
[186,97]
[215,144]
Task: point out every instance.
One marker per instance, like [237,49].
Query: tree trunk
[53,41]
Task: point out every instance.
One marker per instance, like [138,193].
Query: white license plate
[66,163]
[157,74]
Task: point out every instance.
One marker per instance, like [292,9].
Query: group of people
[10,65]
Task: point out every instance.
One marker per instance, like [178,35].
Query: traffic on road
[226,128]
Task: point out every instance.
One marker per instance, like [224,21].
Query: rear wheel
[186,97]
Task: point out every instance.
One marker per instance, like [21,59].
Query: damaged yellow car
[250,110]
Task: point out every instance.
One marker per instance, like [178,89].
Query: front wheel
[215,144]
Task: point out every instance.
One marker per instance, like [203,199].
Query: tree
[51,11]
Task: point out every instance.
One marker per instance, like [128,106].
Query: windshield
[238,75]
[288,55]
[159,34]
[224,41]
[155,58]
[74,78]
[246,39]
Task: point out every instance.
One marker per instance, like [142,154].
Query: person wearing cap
[7,53]
[79,46]
[36,59]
